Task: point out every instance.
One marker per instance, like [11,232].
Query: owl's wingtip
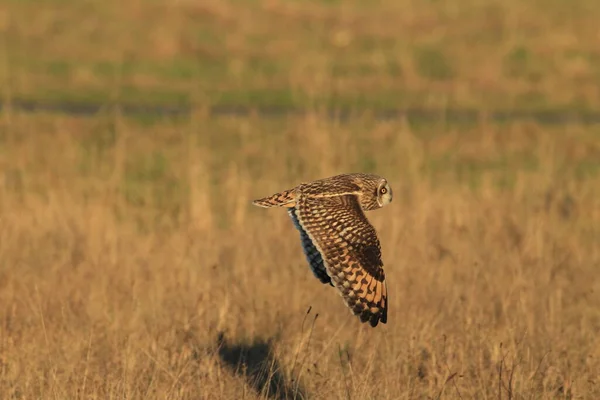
[263,203]
[376,319]
[283,199]
[373,318]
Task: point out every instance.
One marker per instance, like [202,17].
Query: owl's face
[376,194]
[384,193]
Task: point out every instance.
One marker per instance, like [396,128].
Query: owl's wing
[315,261]
[350,250]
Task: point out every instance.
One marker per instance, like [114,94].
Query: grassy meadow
[386,53]
[133,266]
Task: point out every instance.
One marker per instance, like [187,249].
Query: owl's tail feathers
[282,199]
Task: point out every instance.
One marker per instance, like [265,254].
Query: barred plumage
[313,256]
[339,243]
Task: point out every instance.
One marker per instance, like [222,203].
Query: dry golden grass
[132,264]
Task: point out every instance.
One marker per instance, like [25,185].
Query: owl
[339,243]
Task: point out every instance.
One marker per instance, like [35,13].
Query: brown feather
[349,244]
[282,199]
[329,213]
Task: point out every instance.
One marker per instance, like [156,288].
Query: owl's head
[377,193]
[384,193]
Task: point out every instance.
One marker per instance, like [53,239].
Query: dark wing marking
[350,250]
[310,251]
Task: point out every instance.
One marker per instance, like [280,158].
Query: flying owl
[339,243]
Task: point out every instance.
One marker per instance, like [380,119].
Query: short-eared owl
[340,244]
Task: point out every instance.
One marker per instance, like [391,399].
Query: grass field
[133,266]
[127,250]
[391,53]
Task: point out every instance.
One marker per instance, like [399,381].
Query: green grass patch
[305,54]
[433,63]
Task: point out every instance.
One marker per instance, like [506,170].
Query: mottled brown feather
[350,249]
[282,199]
[339,243]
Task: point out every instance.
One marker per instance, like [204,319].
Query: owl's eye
[383,190]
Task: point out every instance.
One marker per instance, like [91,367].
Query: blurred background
[134,135]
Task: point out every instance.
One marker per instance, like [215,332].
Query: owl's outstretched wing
[313,256]
[350,250]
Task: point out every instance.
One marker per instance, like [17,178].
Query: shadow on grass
[255,362]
